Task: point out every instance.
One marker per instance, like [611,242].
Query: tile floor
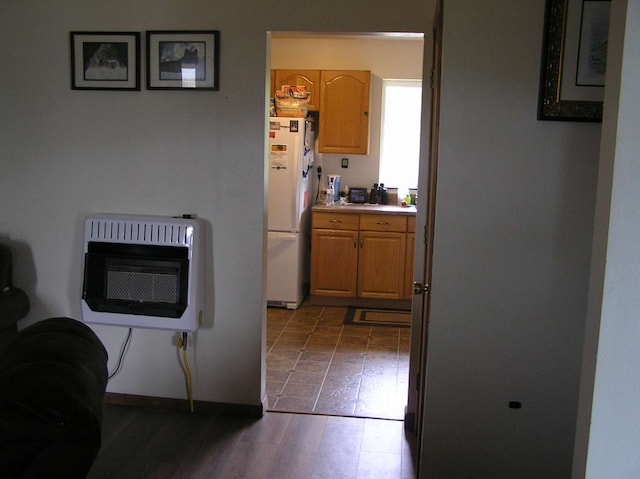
[315,364]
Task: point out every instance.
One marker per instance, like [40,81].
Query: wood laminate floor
[140,443]
[316,364]
[336,398]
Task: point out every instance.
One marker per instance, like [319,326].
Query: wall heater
[143,271]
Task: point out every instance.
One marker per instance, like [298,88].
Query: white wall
[67,153]
[386,57]
[514,212]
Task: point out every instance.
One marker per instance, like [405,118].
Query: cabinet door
[334,260]
[307,78]
[344,111]
[411,248]
[408,268]
[381,263]
[272,84]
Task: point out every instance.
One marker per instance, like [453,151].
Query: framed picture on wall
[183,60]
[105,60]
[574,60]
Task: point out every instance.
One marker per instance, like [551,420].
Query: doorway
[308,347]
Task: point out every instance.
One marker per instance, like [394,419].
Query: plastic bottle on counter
[330,196]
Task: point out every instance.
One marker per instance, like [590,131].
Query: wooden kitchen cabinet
[342,99]
[381,265]
[411,248]
[310,79]
[272,84]
[334,254]
[344,111]
[381,260]
[359,255]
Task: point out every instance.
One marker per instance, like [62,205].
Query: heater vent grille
[140,286]
[139,232]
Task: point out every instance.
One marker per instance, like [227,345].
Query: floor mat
[378,317]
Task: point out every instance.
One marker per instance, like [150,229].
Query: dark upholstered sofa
[53,376]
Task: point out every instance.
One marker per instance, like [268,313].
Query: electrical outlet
[176,339]
[345,162]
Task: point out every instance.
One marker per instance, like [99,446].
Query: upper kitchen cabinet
[307,78]
[344,111]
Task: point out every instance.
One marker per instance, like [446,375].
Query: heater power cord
[182,344]
[123,351]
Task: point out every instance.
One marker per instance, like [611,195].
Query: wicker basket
[292,107]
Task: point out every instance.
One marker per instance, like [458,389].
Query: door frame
[420,315]
[419,303]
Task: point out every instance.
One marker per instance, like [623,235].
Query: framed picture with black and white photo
[183,60]
[105,60]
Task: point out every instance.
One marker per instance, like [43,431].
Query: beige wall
[70,153]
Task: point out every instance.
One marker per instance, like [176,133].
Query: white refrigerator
[289,210]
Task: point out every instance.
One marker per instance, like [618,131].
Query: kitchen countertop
[365,208]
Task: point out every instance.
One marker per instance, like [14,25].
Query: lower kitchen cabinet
[334,262]
[381,265]
[411,248]
[360,256]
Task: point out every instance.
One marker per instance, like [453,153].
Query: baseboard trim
[256,411]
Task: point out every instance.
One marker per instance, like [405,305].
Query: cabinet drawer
[411,224]
[335,221]
[383,223]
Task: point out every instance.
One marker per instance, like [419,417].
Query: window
[400,133]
